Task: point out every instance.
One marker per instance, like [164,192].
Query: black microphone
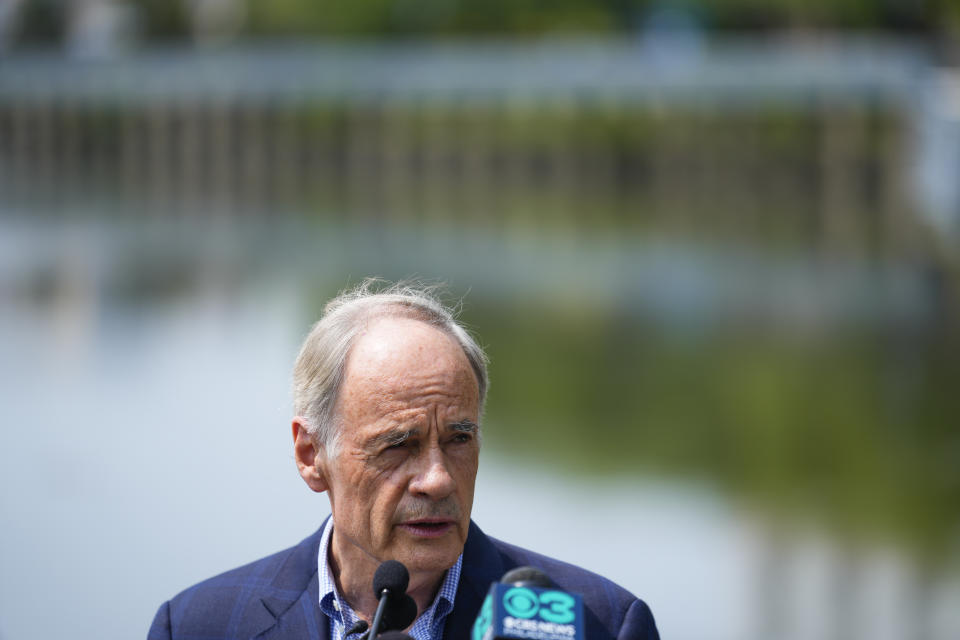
[527,604]
[527,577]
[399,614]
[358,627]
[390,586]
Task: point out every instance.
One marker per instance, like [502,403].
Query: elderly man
[388,394]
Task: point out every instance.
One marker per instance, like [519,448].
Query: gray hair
[319,370]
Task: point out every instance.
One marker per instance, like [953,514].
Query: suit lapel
[289,606]
[300,618]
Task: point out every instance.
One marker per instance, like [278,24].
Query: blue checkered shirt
[427,626]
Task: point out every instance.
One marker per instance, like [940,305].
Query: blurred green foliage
[406,17]
[44,20]
[41,22]
[852,428]
[163,19]
[399,17]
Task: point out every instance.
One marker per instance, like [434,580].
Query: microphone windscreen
[527,577]
[400,613]
[358,627]
[390,575]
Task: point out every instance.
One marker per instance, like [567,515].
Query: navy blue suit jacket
[278,597]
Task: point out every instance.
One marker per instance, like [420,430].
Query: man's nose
[433,478]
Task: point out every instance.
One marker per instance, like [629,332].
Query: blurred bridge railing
[794,144]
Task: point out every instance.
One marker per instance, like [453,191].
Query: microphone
[390,576]
[527,577]
[527,604]
[399,614]
[394,635]
[390,585]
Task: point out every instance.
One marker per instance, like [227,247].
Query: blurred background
[712,249]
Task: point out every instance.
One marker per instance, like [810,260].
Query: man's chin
[433,556]
[435,565]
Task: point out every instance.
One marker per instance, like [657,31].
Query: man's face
[401,480]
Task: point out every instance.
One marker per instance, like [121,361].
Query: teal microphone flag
[529,613]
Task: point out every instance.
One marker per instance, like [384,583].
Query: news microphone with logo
[526,605]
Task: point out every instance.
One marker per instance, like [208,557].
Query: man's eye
[462,437]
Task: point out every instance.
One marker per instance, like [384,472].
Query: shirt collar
[428,625]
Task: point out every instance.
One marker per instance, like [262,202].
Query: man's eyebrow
[465,426]
[399,435]
[391,437]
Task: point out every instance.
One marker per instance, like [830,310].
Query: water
[146,445]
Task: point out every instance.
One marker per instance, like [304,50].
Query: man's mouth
[428,528]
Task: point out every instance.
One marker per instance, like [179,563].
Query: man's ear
[309,457]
